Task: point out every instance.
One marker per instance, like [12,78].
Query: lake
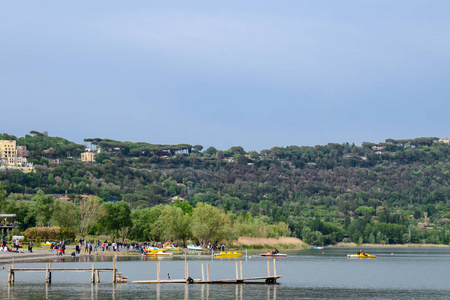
[396,273]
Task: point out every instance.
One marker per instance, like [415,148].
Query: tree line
[177,221]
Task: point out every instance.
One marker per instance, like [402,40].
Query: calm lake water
[396,273]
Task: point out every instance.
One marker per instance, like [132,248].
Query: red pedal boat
[274,254]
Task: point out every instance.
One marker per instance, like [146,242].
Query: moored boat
[172,248]
[195,247]
[154,249]
[228,254]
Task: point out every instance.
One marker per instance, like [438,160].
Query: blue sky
[255,74]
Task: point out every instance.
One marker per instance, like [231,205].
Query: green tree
[2,199]
[198,148]
[237,150]
[42,208]
[372,238]
[91,211]
[206,225]
[65,214]
[143,222]
[172,224]
[211,151]
[101,157]
[118,219]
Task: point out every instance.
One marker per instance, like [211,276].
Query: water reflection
[239,291]
[416,273]
[10,292]
[94,291]
[205,286]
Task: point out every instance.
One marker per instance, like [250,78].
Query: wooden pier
[118,278]
[95,272]
[269,279]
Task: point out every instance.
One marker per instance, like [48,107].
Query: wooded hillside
[396,191]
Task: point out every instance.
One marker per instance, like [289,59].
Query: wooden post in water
[47,278]
[237,273]
[268,268]
[203,274]
[93,274]
[11,272]
[49,272]
[114,270]
[207,271]
[274,268]
[240,262]
[9,275]
[97,273]
[185,265]
[158,271]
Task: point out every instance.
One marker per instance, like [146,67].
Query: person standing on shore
[30,246]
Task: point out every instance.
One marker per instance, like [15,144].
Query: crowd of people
[17,244]
[212,247]
[97,246]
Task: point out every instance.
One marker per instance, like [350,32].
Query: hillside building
[12,156]
[88,157]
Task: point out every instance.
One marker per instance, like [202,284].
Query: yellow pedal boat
[361,256]
[172,248]
[228,254]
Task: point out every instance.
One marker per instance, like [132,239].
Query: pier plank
[58,270]
[199,281]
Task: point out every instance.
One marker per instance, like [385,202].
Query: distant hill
[396,191]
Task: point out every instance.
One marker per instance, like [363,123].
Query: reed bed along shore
[262,243]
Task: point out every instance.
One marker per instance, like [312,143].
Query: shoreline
[292,243]
[45,254]
[354,245]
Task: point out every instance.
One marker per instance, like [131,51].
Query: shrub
[49,233]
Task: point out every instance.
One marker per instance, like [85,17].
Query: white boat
[195,247]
